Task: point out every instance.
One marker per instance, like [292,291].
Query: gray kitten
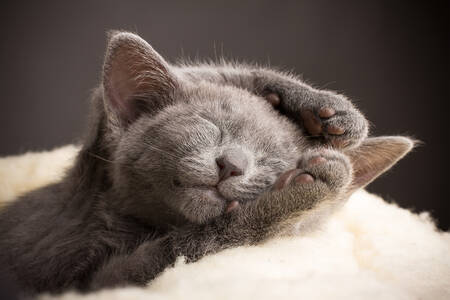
[186,160]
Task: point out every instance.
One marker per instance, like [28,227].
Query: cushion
[369,249]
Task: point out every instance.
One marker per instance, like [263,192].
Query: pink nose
[233,162]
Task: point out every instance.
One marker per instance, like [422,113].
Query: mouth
[213,193]
[231,204]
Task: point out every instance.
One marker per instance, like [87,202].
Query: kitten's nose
[233,162]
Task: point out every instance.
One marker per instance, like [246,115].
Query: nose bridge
[232,162]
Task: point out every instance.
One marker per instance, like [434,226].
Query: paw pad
[273,98]
[231,206]
[317,160]
[326,112]
[335,130]
[296,175]
[314,123]
[304,178]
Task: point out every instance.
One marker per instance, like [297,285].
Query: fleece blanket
[369,249]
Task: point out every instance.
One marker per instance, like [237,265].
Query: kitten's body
[148,184]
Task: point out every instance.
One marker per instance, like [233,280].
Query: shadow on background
[392,59]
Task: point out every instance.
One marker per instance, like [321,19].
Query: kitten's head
[183,150]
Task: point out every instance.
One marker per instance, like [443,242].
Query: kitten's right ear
[135,78]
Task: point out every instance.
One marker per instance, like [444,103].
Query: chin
[201,205]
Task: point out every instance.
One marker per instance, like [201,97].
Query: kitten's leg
[135,268]
[325,117]
[321,177]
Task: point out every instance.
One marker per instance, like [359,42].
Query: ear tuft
[135,76]
[375,156]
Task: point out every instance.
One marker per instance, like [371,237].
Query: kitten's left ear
[135,78]
[375,156]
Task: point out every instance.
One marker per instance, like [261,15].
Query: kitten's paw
[327,118]
[320,172]
[340,128]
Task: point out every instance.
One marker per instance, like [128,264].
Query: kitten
[186,160]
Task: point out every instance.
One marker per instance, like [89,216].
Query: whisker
[101,158]
[161,151]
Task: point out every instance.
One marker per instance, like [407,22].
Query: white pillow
[367,250]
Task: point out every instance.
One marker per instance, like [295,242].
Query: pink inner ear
[368,164]
[362,178]
[132,71]
[120,92]
[375,156]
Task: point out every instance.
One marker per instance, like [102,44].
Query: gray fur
[145,187]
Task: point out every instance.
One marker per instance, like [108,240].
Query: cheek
[199,170]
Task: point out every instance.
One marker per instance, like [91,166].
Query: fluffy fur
[367,250]
[187,161]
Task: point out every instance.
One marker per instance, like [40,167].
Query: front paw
[326,118]
[321,176]
[333,123]
[318,174]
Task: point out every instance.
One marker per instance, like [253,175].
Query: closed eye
[220,135]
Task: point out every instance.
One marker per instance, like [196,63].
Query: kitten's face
[186,150]
[211,146]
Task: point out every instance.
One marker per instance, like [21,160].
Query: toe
[335,130]
[304,178]
[317,160]
[312,124]
[326,112]
[273,98]
[285,179]
[232,206]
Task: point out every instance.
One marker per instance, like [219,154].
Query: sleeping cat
[187,160]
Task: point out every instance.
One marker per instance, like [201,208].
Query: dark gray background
[392,59]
